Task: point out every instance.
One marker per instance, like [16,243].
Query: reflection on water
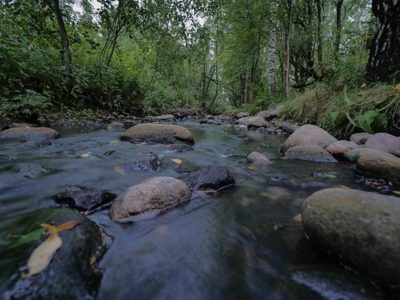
[241,243]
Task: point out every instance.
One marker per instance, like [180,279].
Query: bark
[287,48]
[384,57]
[271,62]
[339,5]
[319,32]
[65,51]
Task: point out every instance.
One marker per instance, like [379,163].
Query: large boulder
[157,133]
[339,148]
[310,153]
[309,135]
[271,113]
[153,193]
[72,272]
[27,132]
[384,142]
[362,228]
[210,177]
[253,122]
[360,138]
[375,163]
[257,158]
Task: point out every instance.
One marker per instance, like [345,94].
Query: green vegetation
[145,57]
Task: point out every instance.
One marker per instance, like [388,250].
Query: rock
[163,118]
[72,272]
[144,165]
[84,199]
[375,163]
[270,113]
[309,152]
[384,142]
[242,115]
[253,122]
[287,127]
[360,227]
[157,133]
[210,177]
[177,148]
[28,132]
[208,117]
[360,138]
[257,158]
[153,193]
[115,126]
[339,148]
[309,135]
[179,165]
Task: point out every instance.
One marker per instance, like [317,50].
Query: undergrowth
[345,111]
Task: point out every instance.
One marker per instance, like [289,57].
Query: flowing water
[240,243]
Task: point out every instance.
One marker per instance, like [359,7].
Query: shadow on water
[242,243]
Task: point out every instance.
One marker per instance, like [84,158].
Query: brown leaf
[68,225]
[177,160]
[298,218]
[397,87]
[42,255]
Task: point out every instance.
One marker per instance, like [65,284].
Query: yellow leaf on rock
[42,255]
[177,160]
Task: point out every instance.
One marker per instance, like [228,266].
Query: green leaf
[28,238]
[372,121]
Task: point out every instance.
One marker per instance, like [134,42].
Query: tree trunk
[65,51]
[319,32]
[271,62]
[287,48]
[384,57]
[339,5]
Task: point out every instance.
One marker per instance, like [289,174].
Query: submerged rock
[72,272]
[360,138]
[339,148]
[84,199]
[362,228]
[308,135]
[179,165]
[253,122]
[28,133]
[257,158]
[144,165]
[384,142]
[153,193]
[210,177]
[310,153]
[157,133]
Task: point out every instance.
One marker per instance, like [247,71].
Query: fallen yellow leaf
[397,87]
[252,168]
[42,255]
[177,160]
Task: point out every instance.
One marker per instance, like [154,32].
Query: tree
[384,57]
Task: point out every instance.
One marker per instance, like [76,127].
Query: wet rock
[362,228]
[153,193]
[253,122]
[177,148]
[335,283]
[84,199]
[144,165]
[360,138]
[375,163]
[242,115]
[339,148]
[28,133]
[72,272]
[163,118]
[257,158]
[309,135]
[157,133]
[310,153]
[208,117]
[210,177]
[270,113]
[179,165]
[116,126]
[384,142]
[278,194]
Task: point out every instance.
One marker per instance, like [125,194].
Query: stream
[239,243]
